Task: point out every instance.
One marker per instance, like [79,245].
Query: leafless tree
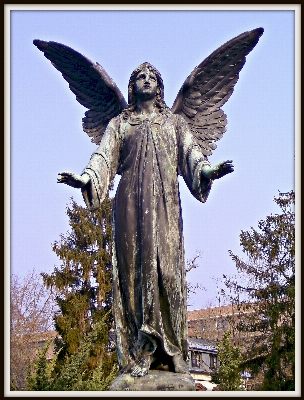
[192,288]
[32,308]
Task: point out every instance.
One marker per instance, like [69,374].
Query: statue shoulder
[177,119]
[115,122]
[180,119]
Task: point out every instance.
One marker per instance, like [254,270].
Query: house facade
[209,325]
[203,361]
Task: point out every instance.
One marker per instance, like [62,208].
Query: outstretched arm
[219,170]
[74,180]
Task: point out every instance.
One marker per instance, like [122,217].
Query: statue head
[159,99]
[142,67]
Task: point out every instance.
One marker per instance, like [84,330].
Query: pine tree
[83,284]
[264,293]
[228,375]
[40,374]
[72,375]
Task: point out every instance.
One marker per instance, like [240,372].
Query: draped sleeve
[191,161]
[102,166]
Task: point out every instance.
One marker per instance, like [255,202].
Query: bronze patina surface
[150,145]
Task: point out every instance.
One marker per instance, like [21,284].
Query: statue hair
[159,100]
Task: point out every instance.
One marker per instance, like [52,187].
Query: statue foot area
[139,377]
[142,366]
[180,366]
[154,381]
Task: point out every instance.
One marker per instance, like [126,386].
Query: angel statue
[150,145]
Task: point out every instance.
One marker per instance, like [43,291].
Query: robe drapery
[149,282]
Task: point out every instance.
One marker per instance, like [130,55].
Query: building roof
[197,343]
[221,311]
[210,312]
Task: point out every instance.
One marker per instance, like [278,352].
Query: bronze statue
[149,145]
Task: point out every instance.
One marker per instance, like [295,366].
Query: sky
[46,135]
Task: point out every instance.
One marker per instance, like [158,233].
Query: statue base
[155,380]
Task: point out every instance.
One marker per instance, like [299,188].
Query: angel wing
[210,85]
[91,84]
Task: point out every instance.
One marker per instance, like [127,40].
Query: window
[41,344]
[195,359]
[202,325]
[221,323]
[213,361]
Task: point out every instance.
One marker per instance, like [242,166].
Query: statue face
[146,86]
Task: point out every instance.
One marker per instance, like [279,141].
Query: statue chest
[149,143]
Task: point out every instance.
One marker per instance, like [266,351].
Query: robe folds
[149,282]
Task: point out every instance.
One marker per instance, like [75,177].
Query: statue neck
[146,107]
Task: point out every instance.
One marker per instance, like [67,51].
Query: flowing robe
[149,282]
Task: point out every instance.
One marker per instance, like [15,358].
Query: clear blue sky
[46,134]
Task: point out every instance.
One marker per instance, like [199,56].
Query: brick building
[205,328]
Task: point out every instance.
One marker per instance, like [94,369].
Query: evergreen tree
[228,375]
[73,374]
[83,284]
[264,293]
[40,374]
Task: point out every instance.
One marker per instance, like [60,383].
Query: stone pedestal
[155,380]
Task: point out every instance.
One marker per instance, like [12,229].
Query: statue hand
[76,181]
[219,170]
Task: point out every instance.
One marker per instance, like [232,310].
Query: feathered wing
[210,85]
[91,84]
